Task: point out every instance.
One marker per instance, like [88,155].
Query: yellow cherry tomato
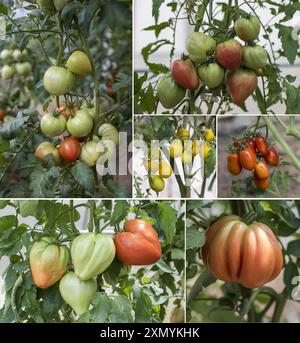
[209,135]
[165,170]
[183,133]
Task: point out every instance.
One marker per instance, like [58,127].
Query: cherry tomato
[233,163]
[262,184]
[272,157]
[261,170]
[251,144]
[247,158]
[69,149]
[261,145]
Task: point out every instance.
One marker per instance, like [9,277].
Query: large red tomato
[138,244]
[237,252]
[185,74]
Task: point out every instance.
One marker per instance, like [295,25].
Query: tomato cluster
[15,63]
[235,65]
[79,123]
[253,153]
[183,147]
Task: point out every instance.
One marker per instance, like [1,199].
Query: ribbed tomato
[272,157]
[247,158]
[138,244]
[70,149]
[237,252]
[233,163]
[185,74]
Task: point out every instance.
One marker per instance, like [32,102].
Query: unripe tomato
[185,74]
[156,183]
[254,57]
[69,149]
[233,163]
[17,55]
[169,92]
[183,133]
[6,55]
[262,184]
[177,315]
[108,132]
[79,63]
[187,157]
[59,80]
[199,45]
[247,29]
[52,125]
[237,252]
[205,150]
[176,148]
[196,145]
[261,170]
[261,145]
[2,114]
[240,84]
[212,75]
[47,148]
[81,124]
[229,54]
[209,135]
[151,166]
[90,153]
[7,72]
[272,157]
[23,69]
[165,170]
[60,4]
[247,158]
[91,110]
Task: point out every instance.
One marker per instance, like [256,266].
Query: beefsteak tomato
[185,74]
[247,29]
[199,45]
[254,57]
[169,92]
[212,75]
[229,54]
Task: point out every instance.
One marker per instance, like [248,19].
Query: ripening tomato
[262,184]
[272,157]
[261,145]
[261,170]
[70,149]
[185,74]
[247,158]
[45,149]
[233,163]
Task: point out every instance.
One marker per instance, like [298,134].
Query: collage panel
[261,155]
[175,157]
[65,100]
[92,261]
[216,57]
[243,261]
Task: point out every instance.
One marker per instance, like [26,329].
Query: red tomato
[261,145]
[69,149]
[261,170]
[185,74]
[233,163]
[251,144]
[262,184]
[247,158]
[2,114]
[272,157]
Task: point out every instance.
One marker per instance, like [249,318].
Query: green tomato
[6,54]
[156,183]
[17,55]
[81,124]
[169,92]
[199,45]
[23,69]
[254,57]
[108,132]
[79,63]
[90,153]
[7,72]
[247,29]
[47,148]
[90,109]
[44,3]
[58,80]
[212,75]
[77,293]
[92,254]
[60,4]
[52,125]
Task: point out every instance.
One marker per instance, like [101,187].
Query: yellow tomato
[151,166]
[209,135]
[183,133]
[165,170]
[205,149]
[176,148]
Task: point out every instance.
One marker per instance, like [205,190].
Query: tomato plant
[57,58]
[242,260]
[68,261]
[220,37]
